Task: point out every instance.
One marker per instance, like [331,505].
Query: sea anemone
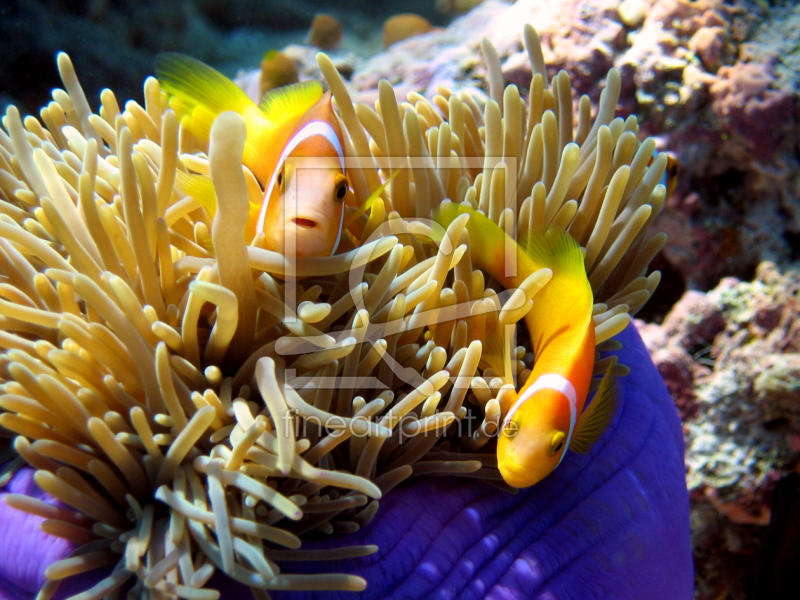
[202,404]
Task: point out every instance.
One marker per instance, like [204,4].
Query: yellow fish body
[294,148]
[547,416]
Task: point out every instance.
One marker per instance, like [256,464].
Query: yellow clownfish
[546,417]
[294,148]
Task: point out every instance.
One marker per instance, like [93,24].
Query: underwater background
[715,81]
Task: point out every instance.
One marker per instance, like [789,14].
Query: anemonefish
[670,177]
[546,417]
[294,148]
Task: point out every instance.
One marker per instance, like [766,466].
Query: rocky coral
[704,73]
[746,102]
[731,359]
[706,77]
[451,57]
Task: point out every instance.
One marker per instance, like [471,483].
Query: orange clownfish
[546,417]
[294,148]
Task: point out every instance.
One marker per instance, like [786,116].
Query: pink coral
[708,43]
[749,105]
[679,345]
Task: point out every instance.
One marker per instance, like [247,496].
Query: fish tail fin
[200,188]
[548,247]
[597,417]
[200,93]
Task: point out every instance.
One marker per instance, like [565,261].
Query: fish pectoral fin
[597,417]
[497,351]
[290,102]
[200,188]
[370,201]
[253,211]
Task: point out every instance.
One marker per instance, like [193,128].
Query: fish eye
[280,179]
[341,191]
[557,442]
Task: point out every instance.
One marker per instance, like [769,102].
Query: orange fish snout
[534,439]
[306,220]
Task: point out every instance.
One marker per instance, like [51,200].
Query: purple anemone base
[610,524]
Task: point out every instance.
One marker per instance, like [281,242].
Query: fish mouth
[513,474]
[304,223]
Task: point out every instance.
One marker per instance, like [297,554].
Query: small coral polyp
[174,400]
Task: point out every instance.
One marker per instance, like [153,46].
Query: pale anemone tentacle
[195,411]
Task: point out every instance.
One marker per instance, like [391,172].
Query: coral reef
[451,58]
[277,70]
[325,32]
[401,27]
[716,81]
[134,323]
[730,361]
[705,77]
[704,74]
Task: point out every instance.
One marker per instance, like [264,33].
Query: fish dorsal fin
[596,418]
[290,102]
[202,92]
[552,247]
[200,188]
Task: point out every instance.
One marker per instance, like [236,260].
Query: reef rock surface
[731,360]
[703,75]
